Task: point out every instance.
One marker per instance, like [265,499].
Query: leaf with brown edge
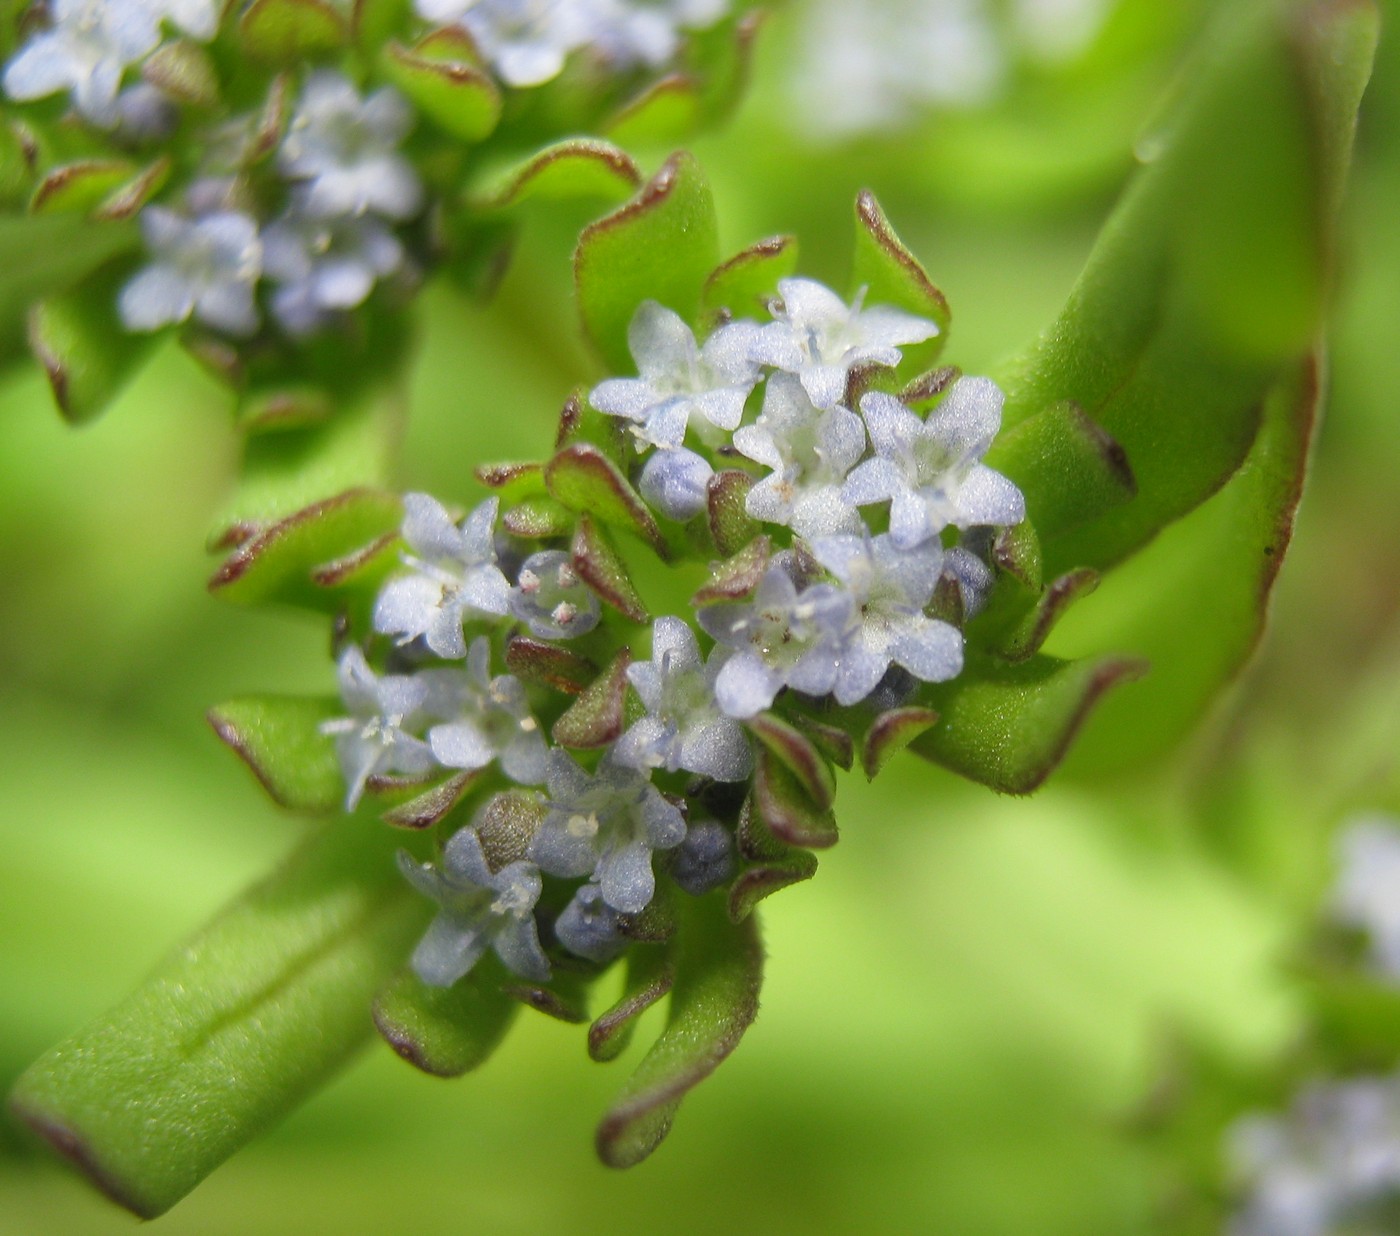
[649,978]
[584,479]
[597,562]
[564,997]
[731,528]
[431,807]
[736,577]
[277,564]
[798,754]
[126,200]
[832,741]
[659,246]
[284,407]
[1027,637]
[279,738]
[890,733]
[444,1031]
[770,864]
[182,70]
[786,809]
[506,823]
[892,275]
[1069,468]
[741,285]
[1009,726]
[598,715]
[80,186]
[667,111]
[453,92]
[578,167]
[1016,550]
[550,665]
[513,480]
[286,31]
[714,999]
[538,518]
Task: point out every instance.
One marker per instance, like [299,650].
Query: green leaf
[731,528]
[16,175]
[599,565]
[235,1028]
[285,31]
[743,284]
[737,576]
[799,755]
[579,167]
[279,738]
[1195,601]
[598,715]
[785,807]
[1009,726]
[278,563]
[548,664]
[584,479]
[649,978]
[455,93]
[182,70]
[430,808]
[719,967]
[88,355]
[1025,639]
[769,865]
[892,275]
[667,111]
[374,22]
[445,1031]
[538,517]
[890,733]
[1211,274]
[79,186]
[661,246]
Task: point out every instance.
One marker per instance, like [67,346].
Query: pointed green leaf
[1009,726]
[1025,639]
[799,756]
[445,1031]
[719,968]
[833,742]
[549,665]
[564,998]
[80,186]
[1212,273]
[273,994]
[660,246]
[786,808]
[599,565]
[86,352]
[892,275]
[279,738]
[737,576]
[278,563]
[667,111]
[580,167]
[46,254]
[183,71]
[430,808]
[584,479]
[890,733]
[537,518]
[456,94]
[743,285]
[285,31]
[598,715]
[649,978]
[514,481]
[1226,554]
[731,529]
[769,865]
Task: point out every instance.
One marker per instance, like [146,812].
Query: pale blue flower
[605,826]
[810,451]
[679,382]
[344,150]
[684,727]
[931,471]
[454,577]
[526,42]
[1366,894]
[676,483]
[550,597]
[783,637]
[588,926]
[966,565]
[486,719]
[379,735]
[705,860]
[1330,1166]
[820,338]
[88,48]
[206,267]
[481,909]
[889,588]
[325,266]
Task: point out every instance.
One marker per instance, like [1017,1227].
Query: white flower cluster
[344,185]
[527,42]
[838,613]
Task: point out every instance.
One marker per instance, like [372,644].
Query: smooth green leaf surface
[649,978]
[79,186]
[743,283]
[719,966]
[577,168]
[661,246]
[445,1031]
[769,864]
[584,479]
[1211,274]
[285,31]
[601,567]
[279,738]
[458,96]
[234,1029]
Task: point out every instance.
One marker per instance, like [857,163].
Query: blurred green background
[963,1008]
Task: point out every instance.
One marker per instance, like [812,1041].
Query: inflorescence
[869,529]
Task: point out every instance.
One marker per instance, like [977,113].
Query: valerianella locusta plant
[588,720]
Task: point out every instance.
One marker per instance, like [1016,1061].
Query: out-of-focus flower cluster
[866,523]
[291,195]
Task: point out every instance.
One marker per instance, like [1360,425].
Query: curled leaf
[649,978]
[577,168]
[550,665]
[444,1031]
[731,528]
[799,755]
[584,479]
[786,808]
[598,564]
[598,715]
[279,738]
[890,733]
